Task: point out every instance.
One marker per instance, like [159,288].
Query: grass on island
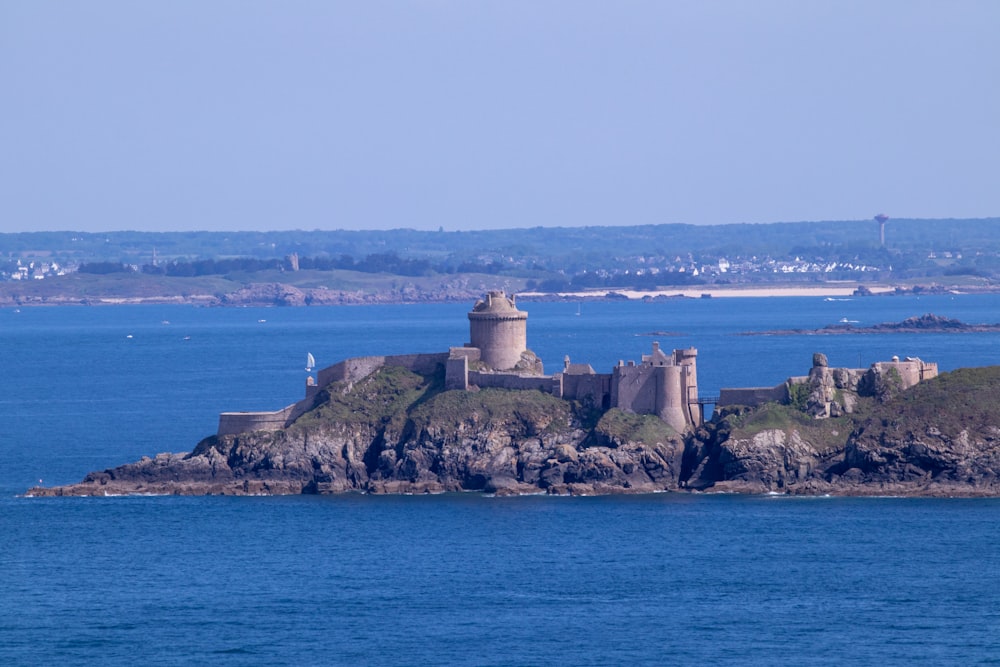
[392,395]
[618,427]
[526,411]
[385,397]
[958,400]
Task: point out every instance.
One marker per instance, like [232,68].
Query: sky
[182,115]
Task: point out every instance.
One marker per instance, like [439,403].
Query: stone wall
[911,371]
[591,389]
[634,388]
[550,384]
[232,423]
[752,396]
[360,367]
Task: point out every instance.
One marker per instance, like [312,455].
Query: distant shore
[92,291]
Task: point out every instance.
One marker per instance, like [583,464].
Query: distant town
[407,264]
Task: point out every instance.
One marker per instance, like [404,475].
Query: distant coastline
[75,292]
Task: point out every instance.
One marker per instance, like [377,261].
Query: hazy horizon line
[442,229]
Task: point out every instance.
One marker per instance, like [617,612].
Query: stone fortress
[497,356]
[661,384]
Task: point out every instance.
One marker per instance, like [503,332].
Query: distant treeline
[563,248]
[589,281]
[388,263]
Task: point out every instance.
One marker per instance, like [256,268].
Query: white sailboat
[310,362]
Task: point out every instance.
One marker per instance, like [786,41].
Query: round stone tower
[499,330]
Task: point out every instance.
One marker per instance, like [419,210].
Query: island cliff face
[940,437]
[397,431]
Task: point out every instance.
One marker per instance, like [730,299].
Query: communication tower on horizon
[881,219]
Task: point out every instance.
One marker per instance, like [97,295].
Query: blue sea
[460,579]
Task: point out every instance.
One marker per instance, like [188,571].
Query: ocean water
[460,579]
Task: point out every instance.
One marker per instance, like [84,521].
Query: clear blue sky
[178,115]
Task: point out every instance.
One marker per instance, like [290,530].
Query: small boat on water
[310,362]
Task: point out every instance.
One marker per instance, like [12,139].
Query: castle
[497,356]
[661,384]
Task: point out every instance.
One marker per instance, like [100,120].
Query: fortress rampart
[911,370]
[231,423]
[357,368]
[550,384]
[753,395]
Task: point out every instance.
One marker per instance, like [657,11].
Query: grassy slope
[962,399]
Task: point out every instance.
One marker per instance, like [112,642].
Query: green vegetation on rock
[965,398]
[617,427]
[531,410]
[386,396]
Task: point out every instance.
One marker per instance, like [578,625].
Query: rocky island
[928,323]
[484,417]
